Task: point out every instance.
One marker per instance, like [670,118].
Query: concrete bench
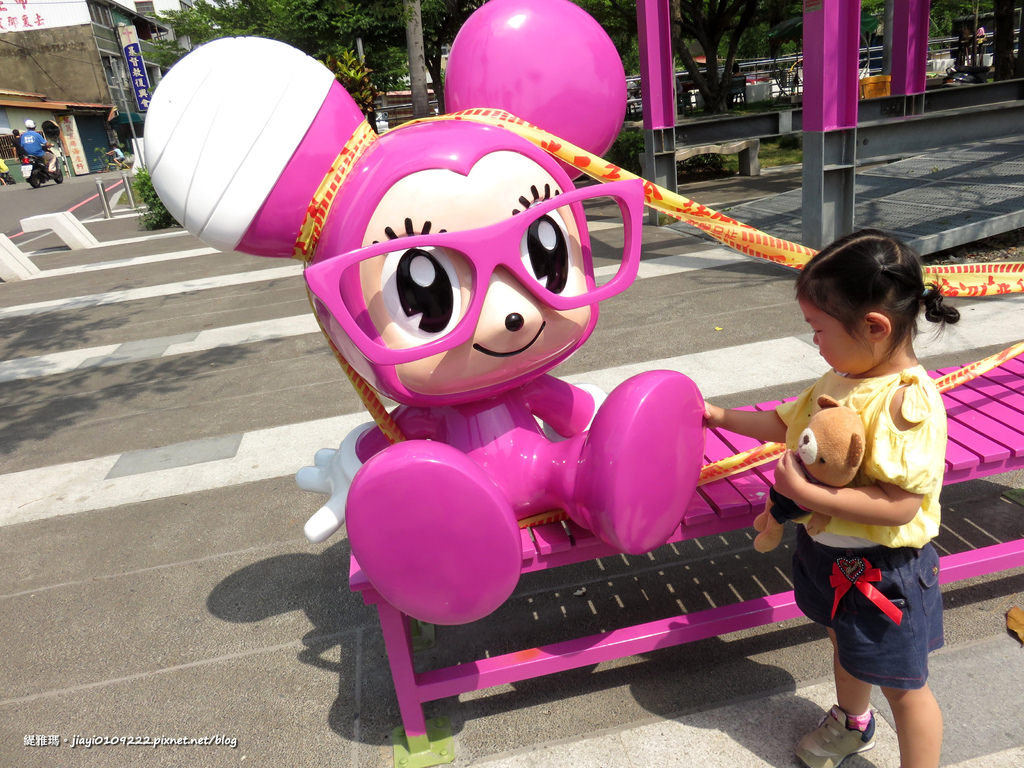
[14,265]
[65,226]
[986,437]
[747,149]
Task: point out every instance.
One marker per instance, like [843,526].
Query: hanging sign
[136,68]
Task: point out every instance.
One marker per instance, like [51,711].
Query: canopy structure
[830,31]
[793,29]
[125,117]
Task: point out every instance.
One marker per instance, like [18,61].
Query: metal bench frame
[986,437]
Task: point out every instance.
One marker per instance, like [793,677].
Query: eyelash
[526,202]
[409,230]
[425,229]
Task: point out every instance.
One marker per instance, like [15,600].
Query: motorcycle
[36,172]
[964,74]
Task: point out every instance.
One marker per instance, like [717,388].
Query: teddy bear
[830,451]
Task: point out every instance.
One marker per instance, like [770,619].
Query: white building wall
[24,15]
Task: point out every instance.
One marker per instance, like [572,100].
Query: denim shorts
[872,647]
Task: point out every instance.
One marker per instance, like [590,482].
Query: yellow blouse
[912,459]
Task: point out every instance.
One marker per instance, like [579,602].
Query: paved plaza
[156,399]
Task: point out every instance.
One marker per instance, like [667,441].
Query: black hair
[870,271]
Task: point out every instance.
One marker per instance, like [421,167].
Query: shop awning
[124,117]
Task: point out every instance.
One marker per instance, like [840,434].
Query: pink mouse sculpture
[449,264]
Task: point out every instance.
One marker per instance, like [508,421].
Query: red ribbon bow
[857,572]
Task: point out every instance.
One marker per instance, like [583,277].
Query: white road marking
[133,262]
[280,451]
[152,291]
[116,354]
[62,489]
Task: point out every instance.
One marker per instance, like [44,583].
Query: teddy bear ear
[827,401]
[856,452]
[241,123]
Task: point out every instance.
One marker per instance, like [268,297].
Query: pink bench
[986,437]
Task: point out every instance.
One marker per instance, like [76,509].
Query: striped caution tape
[762,454]
[954,280]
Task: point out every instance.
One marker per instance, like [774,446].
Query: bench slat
[986,417]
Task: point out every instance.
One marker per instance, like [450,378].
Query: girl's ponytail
[934,309]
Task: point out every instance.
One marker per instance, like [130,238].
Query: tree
[328,29]
[442,20]
[417,70]
[711,24]
[320,28]
[618,19]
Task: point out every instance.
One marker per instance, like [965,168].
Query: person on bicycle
[118,157]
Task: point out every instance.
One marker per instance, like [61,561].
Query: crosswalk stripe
[118,479]
[992,321]
[150,292]
[135,261]
[70,360]
[650,268]
[280,451]
[155,348]
[81,486]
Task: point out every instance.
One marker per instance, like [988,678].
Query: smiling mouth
[529,344]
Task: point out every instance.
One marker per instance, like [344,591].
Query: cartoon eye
[545,251]
[421,291]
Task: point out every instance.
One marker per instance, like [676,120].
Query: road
[156,398]
[78,193]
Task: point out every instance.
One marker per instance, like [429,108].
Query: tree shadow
[689,681]
[42,409]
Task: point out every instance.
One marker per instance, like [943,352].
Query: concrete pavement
[156,584]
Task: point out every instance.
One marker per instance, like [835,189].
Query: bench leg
[750,164]
[417,743]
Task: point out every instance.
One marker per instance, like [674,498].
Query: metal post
[829,180]
[128,189]
[657,86]
[103,198]
[831,52]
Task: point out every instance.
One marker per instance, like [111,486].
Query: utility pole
[417,65]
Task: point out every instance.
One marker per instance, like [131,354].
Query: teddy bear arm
[817,523]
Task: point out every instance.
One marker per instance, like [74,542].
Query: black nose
[514,321]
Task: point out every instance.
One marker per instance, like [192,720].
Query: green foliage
[626,150]
[618,19]
[701,166]
[354,77]
[320,28]
[156,216]
[325,28]
[99,159]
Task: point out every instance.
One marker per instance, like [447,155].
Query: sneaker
[832,741]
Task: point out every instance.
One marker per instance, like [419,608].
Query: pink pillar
[831,50]
[909,46]
[657,78]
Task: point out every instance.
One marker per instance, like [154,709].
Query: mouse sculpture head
[446,260]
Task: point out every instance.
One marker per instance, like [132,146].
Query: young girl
[871,576]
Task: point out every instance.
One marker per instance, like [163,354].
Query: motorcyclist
[34,145]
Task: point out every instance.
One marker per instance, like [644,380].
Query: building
[78,68]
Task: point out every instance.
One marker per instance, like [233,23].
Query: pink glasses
[421,287]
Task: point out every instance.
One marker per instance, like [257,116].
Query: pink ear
[230,124]
[277,223]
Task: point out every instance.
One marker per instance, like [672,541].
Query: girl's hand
[713,415]
[789,478]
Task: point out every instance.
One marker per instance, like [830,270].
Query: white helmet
[30,124]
